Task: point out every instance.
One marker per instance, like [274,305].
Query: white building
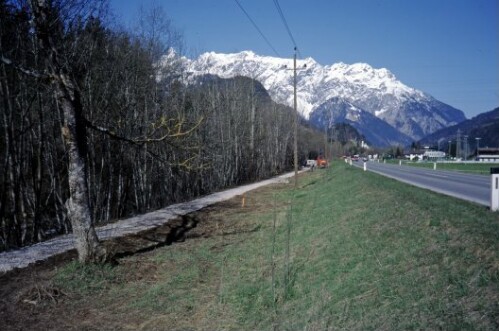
[429,154]
[488,154]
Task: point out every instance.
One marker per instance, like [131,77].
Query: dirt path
[25,256]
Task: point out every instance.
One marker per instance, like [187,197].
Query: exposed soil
[30,300]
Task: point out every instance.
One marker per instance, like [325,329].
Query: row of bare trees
[89,134]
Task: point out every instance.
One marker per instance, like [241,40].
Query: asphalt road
[471,187]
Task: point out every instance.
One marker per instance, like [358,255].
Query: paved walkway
[39,252]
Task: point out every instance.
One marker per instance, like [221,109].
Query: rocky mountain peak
[375,91]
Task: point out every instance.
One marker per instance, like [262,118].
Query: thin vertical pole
[295,125]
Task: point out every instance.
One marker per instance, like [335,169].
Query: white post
[400,162]
[350,162]
[434,165]
[494,189]
[365,168]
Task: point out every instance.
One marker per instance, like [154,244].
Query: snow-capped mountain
[374,91]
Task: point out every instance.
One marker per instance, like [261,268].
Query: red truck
[321,162]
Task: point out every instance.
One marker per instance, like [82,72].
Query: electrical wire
[257,28]
[285,22]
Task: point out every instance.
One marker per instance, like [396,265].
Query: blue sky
[447,48]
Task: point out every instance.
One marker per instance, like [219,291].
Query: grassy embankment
[350,250]
[474,168]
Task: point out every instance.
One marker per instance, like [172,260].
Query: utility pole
[458,144]
[296,123]
[325,141]
[329,126]
[465,147]
[477,147]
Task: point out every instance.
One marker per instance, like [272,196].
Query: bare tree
[73,131]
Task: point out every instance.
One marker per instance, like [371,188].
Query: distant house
[488,154]
[414,156]
[425,154]
[433,155]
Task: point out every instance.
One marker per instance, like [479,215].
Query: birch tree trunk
[74,133]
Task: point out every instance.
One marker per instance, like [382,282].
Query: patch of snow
[379,112]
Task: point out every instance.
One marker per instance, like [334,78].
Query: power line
[279,10]
[285,22]
[257,28]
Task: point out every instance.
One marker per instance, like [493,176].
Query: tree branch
[28,72]
[178,134]
[110,133]
[140,142]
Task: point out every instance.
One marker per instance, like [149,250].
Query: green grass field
[476,168]
[350,250]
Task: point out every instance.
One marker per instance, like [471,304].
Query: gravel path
[39,252]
